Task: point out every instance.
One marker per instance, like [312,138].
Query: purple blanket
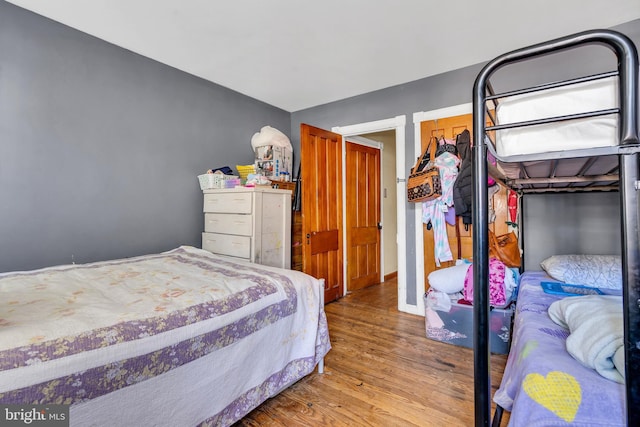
[542,384]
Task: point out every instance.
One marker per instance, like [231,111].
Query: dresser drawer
[227,244]
[228,223]
[228,203]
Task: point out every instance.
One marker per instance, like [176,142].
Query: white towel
[597,334]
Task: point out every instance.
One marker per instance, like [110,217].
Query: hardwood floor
[381,371]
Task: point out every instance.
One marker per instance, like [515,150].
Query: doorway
[418,118]
[389,213]
[363,214]
[390,135]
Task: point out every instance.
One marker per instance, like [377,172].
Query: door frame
[398,124]
[360,140]
[423,116]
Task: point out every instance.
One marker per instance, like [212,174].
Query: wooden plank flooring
[381,371]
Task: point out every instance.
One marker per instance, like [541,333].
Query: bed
[584,133]
[562,136]
[523,152]
[542,383]
[183,337]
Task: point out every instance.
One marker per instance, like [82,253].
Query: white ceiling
[296,54]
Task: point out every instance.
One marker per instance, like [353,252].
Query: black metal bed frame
[627,152]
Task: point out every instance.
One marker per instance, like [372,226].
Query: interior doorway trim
[456,110]
[398,124]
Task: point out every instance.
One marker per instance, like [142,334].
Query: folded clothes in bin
[503,281]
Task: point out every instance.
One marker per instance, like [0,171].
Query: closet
[459,236]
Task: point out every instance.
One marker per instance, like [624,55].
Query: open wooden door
[322,230]
[363,215]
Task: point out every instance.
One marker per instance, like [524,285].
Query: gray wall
[446,90]
[100,147]
[562,224]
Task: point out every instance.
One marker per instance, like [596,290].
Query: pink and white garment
[497,294]
[434,210]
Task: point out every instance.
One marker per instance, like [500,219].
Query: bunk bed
[179,338]
[608,161]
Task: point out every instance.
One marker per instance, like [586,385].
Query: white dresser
[253,223]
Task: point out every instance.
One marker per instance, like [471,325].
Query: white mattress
[560,136]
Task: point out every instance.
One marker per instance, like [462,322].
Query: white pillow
[599,271]
[448,280]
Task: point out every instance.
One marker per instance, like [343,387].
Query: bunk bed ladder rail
[627,72]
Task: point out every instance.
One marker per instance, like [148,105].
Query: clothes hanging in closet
[434,210]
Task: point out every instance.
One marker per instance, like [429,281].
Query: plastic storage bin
[209,181]
[456,326]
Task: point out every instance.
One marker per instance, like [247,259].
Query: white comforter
[173,339]
[597,334]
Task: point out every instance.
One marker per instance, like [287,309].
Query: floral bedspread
[73,333]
